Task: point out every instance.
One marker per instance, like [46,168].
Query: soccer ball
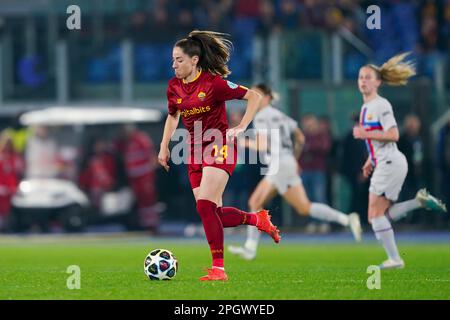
[160,264]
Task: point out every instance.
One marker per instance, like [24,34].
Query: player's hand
[359,133]
[361,177]
[367,169]
[234,132]
[163,158]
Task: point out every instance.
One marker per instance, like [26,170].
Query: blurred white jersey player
[282,172]
[386,163]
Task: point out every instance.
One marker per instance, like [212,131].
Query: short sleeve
[171,101]
[292,124]
[386,116]
[225,90]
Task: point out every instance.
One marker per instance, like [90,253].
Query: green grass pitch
[111,269]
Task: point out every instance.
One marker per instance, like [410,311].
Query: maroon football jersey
[203,100]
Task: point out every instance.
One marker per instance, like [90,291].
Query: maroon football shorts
[209,155]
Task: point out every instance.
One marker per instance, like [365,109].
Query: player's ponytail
[212,48]
[395,71]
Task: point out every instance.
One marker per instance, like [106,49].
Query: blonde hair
[395,71]
[5,137]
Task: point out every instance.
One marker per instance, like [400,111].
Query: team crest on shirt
[369,117]
[179,101]
[232,85]
[201,95]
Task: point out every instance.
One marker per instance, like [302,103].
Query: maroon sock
[232,217]
[213,229]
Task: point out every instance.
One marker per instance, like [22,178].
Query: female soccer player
[282,177]
[198,93]
[386,163]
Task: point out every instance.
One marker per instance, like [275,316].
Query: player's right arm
[169,128]
[173,118]
[299,142]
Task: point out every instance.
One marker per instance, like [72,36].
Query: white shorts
[388,177]
[285,176]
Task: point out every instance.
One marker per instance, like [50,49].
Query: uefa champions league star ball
[160,264]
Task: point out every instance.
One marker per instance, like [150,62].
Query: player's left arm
[253,98]
[226,90]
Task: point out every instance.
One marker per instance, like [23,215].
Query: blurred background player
[443,155]
[314,165]
[352,158]
[99,171]
[198,93]
[139,157]
[11,165]
[282,178]
[412,145]
[41,155]
[387,165]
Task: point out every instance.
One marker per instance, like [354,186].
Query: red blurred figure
[11,168]
[99,174]
[140,159]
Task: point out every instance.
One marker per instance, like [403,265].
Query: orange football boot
[264,224]
[215,274]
